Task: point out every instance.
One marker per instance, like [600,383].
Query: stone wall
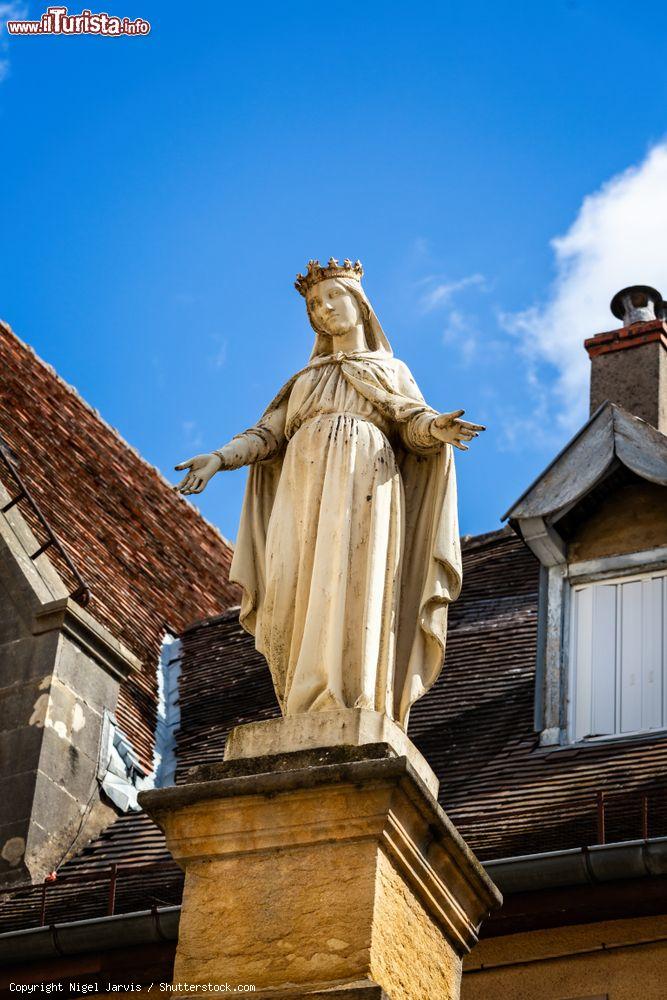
[632,519]
[59,670]
[615,959]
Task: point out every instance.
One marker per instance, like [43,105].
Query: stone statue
[348,548]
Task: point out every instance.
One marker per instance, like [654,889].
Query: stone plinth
[351,727]
[321,870]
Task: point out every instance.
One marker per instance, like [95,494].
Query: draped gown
[321,553]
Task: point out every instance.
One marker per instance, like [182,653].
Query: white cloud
[12,11]
[437,293]
[617,239]
[219,359]
[192,434]
[460,333]
[440,293]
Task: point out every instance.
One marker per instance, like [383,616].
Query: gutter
[77,937]
[580,866]
[527,873]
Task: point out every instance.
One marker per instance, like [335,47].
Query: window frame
[576,582]
[554,669]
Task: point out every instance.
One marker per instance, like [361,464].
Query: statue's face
[333,308]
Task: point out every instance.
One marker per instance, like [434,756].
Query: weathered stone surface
[95,687]
[347,727]
[272,763]
[270,908]
[307,878]
[60,669]
[366,991]
[68,618]
[408,954]
[16,795]
[73,719]
[348,550]
[363,990]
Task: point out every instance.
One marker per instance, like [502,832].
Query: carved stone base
[351,727]
[321,874]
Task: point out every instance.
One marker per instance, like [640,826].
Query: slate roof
[507,796]
[611,437]
[151,560]
[145,875]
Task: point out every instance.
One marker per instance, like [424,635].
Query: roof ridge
[473,541]
[229,614]
[73,391]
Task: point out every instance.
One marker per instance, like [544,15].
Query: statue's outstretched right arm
[258,443]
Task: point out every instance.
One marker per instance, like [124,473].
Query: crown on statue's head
[316,272]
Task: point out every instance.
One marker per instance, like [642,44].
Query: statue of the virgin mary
[348,548]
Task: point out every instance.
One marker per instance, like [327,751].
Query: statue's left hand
[448,427]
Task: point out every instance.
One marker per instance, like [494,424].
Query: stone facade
[614,959]
[60,670]
[321,869]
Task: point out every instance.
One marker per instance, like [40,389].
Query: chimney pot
[637,304]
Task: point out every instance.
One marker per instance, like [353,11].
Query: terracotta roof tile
[145,875]
[151,560]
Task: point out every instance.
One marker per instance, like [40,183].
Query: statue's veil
[376,339]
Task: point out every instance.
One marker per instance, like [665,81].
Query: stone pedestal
[347,727]
[321,873]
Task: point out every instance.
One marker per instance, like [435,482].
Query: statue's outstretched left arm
[425,431]
[258,443]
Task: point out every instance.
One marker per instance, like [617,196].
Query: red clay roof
[151,560]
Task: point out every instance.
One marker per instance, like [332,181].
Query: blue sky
[159,193]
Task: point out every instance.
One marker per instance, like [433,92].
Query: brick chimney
[629,365]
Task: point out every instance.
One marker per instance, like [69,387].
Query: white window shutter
[652,653]
[631,656]
[603,661]
[583,649]
[619,656]
[664,650]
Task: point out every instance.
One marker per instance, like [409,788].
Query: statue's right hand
[201,468]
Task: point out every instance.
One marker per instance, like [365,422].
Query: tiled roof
[506,795]
[475,727]
[224,682]
[145,875]
[151,560]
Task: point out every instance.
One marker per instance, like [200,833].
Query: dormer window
[617,656]
[597,521]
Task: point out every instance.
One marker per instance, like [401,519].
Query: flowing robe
[348,548]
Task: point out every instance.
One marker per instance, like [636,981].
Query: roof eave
[623,439]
